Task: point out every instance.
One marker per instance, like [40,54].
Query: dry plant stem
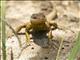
[13,31]
[11,54]
[59,50]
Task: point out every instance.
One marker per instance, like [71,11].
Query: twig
[57,57]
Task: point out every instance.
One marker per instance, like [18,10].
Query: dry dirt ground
[67,18]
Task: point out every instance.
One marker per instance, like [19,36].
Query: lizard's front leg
[28,27]
[52,27]
[50,35]
[19,28]
[27,37]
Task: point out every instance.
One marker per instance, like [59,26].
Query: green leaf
[3,35]
[75,49]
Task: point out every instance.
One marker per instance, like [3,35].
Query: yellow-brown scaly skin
[38,22]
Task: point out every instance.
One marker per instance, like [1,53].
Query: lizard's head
[38,18]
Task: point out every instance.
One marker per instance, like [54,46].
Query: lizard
[37,23]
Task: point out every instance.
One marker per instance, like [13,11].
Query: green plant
[3,36]
[75,49]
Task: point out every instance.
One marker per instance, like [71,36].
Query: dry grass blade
[59,50]
[12,31]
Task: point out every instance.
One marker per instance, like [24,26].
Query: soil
[67,18]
